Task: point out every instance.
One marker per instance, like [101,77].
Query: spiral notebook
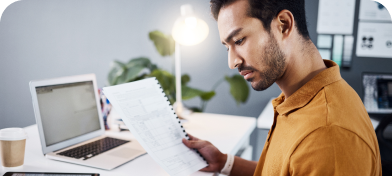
[147,113]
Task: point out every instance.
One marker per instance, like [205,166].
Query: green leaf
[153,67]
[163,43]
[189,93]
[206,96]
[133,73]
[122,78]
[238,88]
[166,80]
[141,61]
[116,70]
[195,109]
[112,77]
[185,78]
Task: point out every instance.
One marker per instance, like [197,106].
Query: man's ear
[285,23]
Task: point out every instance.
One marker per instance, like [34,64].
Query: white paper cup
[12,146]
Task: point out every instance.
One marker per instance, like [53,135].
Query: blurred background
[42,39]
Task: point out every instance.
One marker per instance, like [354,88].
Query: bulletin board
[359,62]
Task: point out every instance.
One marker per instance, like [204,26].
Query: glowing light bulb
[189,30]
[191,22]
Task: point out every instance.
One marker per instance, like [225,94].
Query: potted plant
[142,67]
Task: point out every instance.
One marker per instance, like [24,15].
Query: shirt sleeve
[332,150]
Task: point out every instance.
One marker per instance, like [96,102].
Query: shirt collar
[302,96]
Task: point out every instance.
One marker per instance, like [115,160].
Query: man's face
[251,49]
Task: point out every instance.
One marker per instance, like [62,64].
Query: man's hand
[215,159]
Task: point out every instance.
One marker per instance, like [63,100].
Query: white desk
[228,133]
[266,118]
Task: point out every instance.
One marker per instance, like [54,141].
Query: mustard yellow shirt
[322,129]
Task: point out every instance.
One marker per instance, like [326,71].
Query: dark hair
[266,11]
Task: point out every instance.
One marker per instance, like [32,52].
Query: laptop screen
[67,111]
[377,90]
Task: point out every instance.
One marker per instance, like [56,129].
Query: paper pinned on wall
[347,50]
[325,53]
[324,41]
[374,40]
[337,52]
[373,11]
[336,16]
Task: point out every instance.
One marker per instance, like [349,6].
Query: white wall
[51,38]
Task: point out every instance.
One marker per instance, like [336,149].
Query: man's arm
[216,159]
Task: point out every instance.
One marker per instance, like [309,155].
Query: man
[320,125]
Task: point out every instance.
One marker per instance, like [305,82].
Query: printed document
[374,40]
[148,114]
[373,11]
[336,17]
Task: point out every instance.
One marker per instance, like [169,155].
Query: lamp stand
[177,56]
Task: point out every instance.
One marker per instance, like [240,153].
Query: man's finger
[193,137]
[194,144]
[207,169]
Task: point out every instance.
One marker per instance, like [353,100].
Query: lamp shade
[189,30]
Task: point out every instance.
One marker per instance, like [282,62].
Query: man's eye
[238,42]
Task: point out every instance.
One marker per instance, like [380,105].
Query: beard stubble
[275,62]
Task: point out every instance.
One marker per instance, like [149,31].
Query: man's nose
[234,59]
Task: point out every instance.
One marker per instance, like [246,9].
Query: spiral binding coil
[179,121]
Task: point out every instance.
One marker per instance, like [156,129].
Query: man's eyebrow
[231,35]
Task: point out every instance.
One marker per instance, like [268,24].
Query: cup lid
[12,134]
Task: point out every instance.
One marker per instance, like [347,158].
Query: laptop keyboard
[93,148]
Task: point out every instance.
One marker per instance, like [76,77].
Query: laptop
[70,124]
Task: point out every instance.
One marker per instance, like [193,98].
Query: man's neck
[301,68]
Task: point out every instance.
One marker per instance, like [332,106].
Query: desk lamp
[187,30]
